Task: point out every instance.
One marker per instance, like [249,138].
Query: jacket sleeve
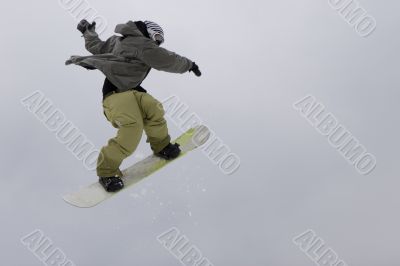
[164,60]
[96,46]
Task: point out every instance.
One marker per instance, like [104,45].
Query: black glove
[195,69]
[84,25]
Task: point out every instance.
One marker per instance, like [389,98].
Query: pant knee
[152,109]
[128,138]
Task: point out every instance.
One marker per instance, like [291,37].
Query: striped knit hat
[155,31]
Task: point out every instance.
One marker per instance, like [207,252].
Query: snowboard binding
[171,151]
[111,184]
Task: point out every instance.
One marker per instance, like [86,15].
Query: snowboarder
[126,61]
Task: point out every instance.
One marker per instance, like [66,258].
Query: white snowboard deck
[94,194]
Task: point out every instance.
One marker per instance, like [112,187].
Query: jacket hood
[128,29]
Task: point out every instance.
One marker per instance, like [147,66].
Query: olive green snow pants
[131,112]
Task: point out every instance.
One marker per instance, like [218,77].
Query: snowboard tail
[94,194]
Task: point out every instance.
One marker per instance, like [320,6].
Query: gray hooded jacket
[125,60]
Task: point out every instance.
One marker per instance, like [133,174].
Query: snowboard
[94,194]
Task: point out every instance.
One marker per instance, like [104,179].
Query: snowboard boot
[111,184]
[171,151]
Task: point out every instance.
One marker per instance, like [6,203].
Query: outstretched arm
[92,41]
[95,45]
[164,60]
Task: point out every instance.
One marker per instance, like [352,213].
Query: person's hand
[84,25]
[195,69]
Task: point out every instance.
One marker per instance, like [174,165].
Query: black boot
[170,152]
[111,184]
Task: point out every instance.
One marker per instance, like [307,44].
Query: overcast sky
[258,58]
